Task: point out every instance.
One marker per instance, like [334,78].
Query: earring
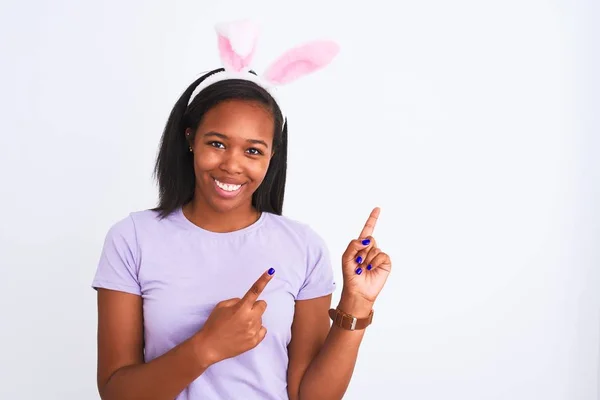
[190,149]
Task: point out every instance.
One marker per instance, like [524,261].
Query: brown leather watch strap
[349,322]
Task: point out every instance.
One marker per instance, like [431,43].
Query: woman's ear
[189,137]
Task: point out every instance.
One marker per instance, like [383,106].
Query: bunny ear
[237,42]
[301,61]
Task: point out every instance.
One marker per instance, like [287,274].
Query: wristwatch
[349,322]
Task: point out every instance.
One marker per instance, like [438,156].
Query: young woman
[214,294]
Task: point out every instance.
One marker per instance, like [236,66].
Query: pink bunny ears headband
[237,45]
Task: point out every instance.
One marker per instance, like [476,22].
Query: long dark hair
[174,169]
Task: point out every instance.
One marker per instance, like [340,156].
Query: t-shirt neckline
[190,225]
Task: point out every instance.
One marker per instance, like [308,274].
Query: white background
[473,124]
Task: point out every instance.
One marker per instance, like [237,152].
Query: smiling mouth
[227,187]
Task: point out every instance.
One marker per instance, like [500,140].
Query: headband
[237,45]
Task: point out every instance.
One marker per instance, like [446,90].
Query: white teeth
[227,187]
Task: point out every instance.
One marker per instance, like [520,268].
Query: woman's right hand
[235,325]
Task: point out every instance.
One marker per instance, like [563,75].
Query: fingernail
[366,242]
[359,271]
[369,267]
[271,271]
[359,259]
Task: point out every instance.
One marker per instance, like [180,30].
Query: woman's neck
[204,216]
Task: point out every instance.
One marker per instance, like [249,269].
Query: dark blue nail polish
[369,267]
[271,271]
[359,271]
[359,259]
[366,242]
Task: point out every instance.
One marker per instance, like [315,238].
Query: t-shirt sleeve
[118,266]
[319,279]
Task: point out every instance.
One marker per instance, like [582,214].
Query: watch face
[349,322]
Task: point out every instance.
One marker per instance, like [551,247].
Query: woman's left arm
[322,357]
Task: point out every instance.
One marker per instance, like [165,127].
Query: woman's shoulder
[128,224]
[302,229]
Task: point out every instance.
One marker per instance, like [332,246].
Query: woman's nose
[232,163]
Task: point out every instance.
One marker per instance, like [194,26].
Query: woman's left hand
[364,266]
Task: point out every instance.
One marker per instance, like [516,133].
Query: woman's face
[232,149]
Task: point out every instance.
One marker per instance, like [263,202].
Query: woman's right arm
[122,373]
[233,327]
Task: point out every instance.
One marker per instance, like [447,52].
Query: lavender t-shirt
[182,271]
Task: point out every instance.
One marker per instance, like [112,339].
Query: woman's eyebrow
[225,137]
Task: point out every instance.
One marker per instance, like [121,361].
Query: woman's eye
[255,152]
[218,145]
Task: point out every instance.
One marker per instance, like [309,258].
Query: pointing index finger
[257,288]
[370,224]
